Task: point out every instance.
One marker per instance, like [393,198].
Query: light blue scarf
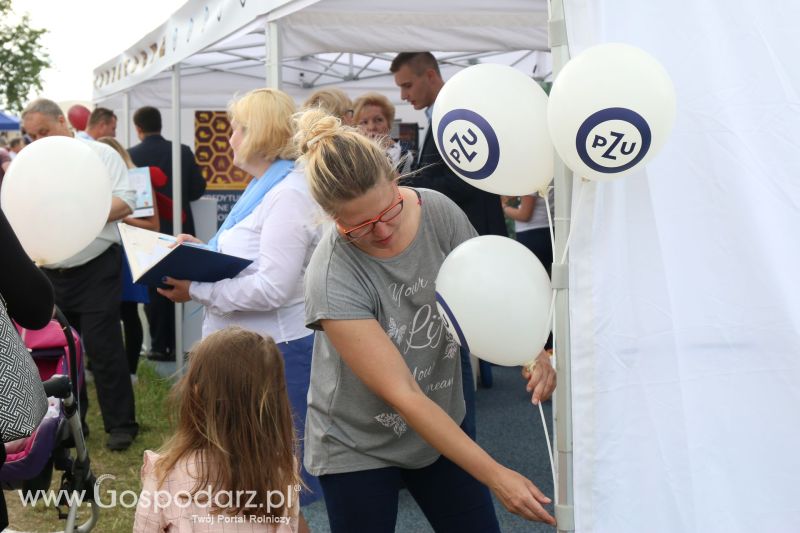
[252,196]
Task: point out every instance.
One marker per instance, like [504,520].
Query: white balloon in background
[56,196]
[493,295]
[490,125]
[611,109]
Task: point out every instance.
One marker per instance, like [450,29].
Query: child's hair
[340,163]
[235,423]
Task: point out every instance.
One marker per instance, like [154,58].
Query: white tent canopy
[348,43]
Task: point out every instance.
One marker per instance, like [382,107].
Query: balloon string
[549,446]
[573,223]
[549,217]
[552,316]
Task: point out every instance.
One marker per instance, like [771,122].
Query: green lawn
[151,412]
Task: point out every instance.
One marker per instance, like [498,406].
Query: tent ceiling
[325,42]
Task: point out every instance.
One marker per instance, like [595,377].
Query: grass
[151,413]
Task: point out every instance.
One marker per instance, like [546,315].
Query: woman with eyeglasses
[386,401]
[275,223]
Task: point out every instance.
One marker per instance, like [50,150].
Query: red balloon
[78,116]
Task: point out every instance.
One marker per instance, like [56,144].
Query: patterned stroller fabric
[25,458]
[58,442]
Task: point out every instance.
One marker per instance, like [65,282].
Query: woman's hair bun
[314,126]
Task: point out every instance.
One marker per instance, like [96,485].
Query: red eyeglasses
[365,228]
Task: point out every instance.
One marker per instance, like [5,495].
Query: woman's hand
[179,292]
[520,496]
[541,378]
[185,237]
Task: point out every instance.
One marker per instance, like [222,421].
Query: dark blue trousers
[451,499]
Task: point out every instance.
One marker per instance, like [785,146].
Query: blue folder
[195,263]
[192,261]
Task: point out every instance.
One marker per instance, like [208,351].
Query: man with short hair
[155,150]
[418,76]
[88,285]
[102,123]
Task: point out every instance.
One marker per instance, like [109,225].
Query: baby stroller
[29,465]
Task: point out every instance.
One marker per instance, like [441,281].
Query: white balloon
[611,109]
[490,125]
[56,196]
[493,295]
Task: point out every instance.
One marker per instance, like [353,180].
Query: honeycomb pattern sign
[213,152]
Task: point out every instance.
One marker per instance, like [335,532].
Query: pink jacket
[168,508]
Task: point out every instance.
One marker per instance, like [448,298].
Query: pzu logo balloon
[611,109]
[490,125]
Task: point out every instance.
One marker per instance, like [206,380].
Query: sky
[83,34]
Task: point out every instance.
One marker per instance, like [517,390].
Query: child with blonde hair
[230,466]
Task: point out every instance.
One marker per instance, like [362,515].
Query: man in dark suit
[417,74]
[155,150]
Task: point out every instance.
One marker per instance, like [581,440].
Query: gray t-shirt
[348,428]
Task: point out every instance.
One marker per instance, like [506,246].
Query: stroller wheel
[40,481]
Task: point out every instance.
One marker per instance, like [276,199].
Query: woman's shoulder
[291,189]
[435,198]
[328,248]
[437,204]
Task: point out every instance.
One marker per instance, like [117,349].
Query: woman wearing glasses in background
[275,223]
[386,401]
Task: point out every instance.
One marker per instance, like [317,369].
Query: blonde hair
[340,163]
[113,143]
[376,99]
[235,421]
[332,100]
[265,116]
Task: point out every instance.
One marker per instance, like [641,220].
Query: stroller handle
[58,386]
[73,352]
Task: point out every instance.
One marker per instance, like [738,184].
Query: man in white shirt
[102,123]
[88,285]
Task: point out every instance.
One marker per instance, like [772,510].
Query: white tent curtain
[685,308]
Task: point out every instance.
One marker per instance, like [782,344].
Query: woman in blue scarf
[275,223]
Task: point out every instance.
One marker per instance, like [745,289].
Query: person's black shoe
[119,441]
[160,356]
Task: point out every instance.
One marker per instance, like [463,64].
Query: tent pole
[126,120]
[273,55]
[177,198]
[564,507]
